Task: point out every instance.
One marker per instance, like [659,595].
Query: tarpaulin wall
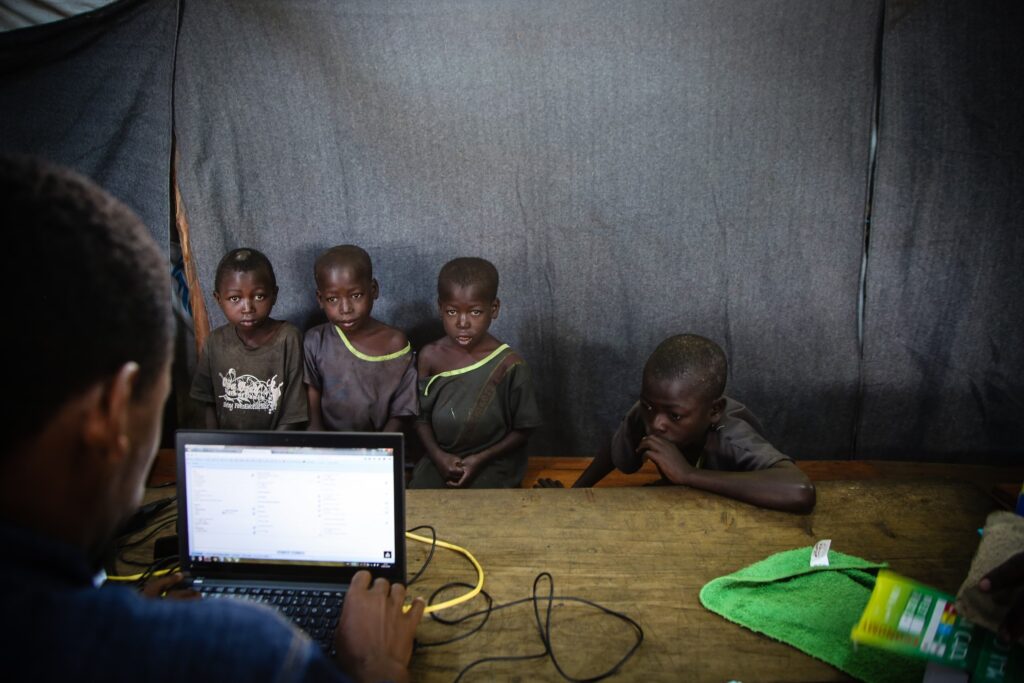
[944,358]
[634,169]
[638,169]
[94,93]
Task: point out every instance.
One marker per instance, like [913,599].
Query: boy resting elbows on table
[699,437]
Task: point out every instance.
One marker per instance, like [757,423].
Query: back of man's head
[88,291]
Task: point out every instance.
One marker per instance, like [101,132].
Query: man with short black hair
[89,363]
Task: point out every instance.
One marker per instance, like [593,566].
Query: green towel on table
[811,608]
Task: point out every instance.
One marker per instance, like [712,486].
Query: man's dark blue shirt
[59,627]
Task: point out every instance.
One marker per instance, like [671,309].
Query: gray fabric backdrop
[634,169]
[944,363]
[94,93]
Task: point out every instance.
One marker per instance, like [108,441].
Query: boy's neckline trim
[266,342]
[468,368]
[373,359]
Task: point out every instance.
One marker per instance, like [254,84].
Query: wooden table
[647,552]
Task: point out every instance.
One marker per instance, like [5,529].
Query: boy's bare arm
[316,420]
[599,468]
[210,416]
[395,424]
[473,464]
[780,487]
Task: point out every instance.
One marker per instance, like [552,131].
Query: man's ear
[495,307]
[105,431]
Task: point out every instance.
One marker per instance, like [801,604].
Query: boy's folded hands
[667,456]
[450,466]
[470,469]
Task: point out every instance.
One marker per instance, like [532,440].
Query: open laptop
[287,518]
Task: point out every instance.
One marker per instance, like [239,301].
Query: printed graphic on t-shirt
[246,392]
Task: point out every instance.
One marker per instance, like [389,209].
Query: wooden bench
[1002,483]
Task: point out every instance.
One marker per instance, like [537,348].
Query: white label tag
[819,556]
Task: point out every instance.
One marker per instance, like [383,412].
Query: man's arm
[780,487]
[210,416]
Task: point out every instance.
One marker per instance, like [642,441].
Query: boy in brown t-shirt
[697,436]
[250,372]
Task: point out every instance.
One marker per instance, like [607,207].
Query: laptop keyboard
[314,611]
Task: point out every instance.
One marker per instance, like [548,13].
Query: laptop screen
[286,505]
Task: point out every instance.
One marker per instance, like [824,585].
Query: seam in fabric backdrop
[869,196]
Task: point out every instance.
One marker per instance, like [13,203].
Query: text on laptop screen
[311,506]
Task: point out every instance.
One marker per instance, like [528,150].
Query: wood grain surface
[647,551]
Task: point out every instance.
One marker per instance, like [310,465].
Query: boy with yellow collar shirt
[699,437]
[477,404]
[359,372]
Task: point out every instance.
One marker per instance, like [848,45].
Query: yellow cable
[437,607]
[464,597]
[136,577]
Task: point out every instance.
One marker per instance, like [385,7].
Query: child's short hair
[691,356]
[344,255]
[244,260]
[100,292]
[469,271]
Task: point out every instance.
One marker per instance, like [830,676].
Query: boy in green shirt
[477,405]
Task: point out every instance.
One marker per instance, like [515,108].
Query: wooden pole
[200,317]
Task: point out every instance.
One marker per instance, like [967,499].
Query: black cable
[458,620]
[153,529]
[143,517]
[121,559]
[545,632]
[543,629]
[157,565]
[430,555]
[503,658]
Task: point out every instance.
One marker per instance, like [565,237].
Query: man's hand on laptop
[375,635]
[170,586]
